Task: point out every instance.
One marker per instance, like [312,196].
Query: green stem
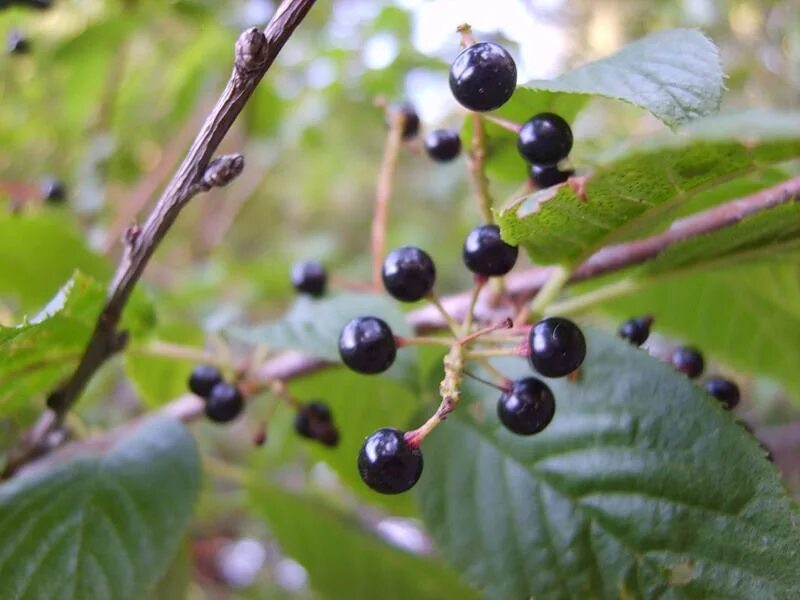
[588,300]
[550,290]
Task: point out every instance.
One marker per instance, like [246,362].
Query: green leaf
[99,526]
[710,307]
[360,405]
[634,193]
[641,487]
[344,559]
[675,74]
[60,250]
[313,326]
[174,582]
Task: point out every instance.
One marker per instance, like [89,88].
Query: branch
[255,52]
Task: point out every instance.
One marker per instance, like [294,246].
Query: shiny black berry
[688,361]
[18,43]
[224,403]
[723,390]
[314,421]
[53,191]
[545,139]
[367,345]
[557,347]
[545,176]
[636,330]
[408,274]
[443,145]
[485,253]
[483,77]
[528,407]
[387,464]
[309,277]
[410,119]
[203,379]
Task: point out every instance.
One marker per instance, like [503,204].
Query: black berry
[203,379]
[53,191]
[367,345]
[688,361]
[408,274]
[314,421]
[636,330]
[410,119]
[485,253]
[309,277]
[544,139]
[557,347]
[387,464]
[483,77]
[443,144]
[18,43]
[545,176]
[224,403]
[528,407]
[723,390]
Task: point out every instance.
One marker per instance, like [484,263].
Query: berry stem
[180,352]
[477,168]
[557,280]
[422,341]
[493,352]
[383,194]
[467,39]
[504,123]
[480,281]
[503,381]
[437,303]
[507,324]
[588,300]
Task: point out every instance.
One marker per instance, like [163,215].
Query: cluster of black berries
[442,145]
[314,421]
[223,401]
[686,359]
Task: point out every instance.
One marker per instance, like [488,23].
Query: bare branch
[255,52]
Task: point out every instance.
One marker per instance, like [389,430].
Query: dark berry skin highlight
[544,139]
[408,274]
[485,253]
[688,361]
[367,345]
[724,390]
[224,403]
[387,464]
[557,347]
[443,145]
[309,277]
[483,77]
[528,407]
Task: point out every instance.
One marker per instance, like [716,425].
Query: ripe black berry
[314,421]
[309,277]
[483,77]
[485,253]
[688,361]
[723,390]
[528,407]
[636,330]
[367,345]
[545,139]
[387,464]
[557,347]
[224,403]
[18,43]
[410,119]
[443,144]
[408,274]
[203,379]
[53,191]
[545,176]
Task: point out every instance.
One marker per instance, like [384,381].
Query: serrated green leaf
[634,193]
[360,405]
[99,526]
[746,316]
[345,560]
[641,487]
[674,74]
[313,326]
